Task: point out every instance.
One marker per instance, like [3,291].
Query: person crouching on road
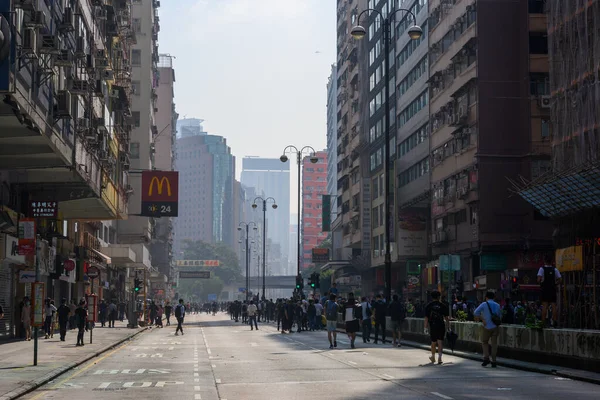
[252,314]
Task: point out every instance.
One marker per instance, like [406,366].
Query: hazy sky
[254,70]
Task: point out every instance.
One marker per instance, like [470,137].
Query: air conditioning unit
[114,94]
[29,41]
[37,20]
[467,131]
[108,75]
[64,59]
[545,101]
[83,123]
[101,63]
[68,20]
[100,53]
[123,20]
[100,13]
[462,192]
[80,47]
[50,44]
[63,104]
[91,63]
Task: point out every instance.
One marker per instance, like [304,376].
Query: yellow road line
[79,372]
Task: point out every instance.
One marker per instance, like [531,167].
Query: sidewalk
[18,375]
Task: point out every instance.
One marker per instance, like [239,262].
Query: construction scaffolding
[574,51]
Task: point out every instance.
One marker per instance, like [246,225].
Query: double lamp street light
[264,231]
[247,225]
[414,32]
[313,159]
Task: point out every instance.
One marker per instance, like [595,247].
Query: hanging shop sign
[27,237]
[37,306]
[160,193]
[43,209]
[93,272]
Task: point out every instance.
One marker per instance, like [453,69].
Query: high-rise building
[206,181]
[488,85]
[353,220]
[314,186]
[190,127]
[332,138]
[272,178]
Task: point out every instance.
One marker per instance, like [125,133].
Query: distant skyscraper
[314,186]
[190,127]
[332,139]
[272,177]
[206,189]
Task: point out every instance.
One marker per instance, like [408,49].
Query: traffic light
[299,282]
[514,284]
[311,281]
[137,285]
[317,283]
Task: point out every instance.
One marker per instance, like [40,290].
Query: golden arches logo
[160,184]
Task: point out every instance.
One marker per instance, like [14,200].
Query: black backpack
[178,311]
[549,278]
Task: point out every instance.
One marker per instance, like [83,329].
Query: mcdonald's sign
[160,193]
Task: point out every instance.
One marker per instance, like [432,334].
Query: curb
[35,384]
[522,366]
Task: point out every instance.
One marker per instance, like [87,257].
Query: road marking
[442,396]
[196,374]
[560,378]
[171,348]
[208,350]
[134,384]
[196,379]
[197,396]
[196,369]
[253,344]
[352,362]
[213,365]
[388,376]
[217,380]
[505,389]
[197,388]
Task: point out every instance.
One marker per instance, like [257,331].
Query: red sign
[69,265]
[160,193]
[26,237]
[43,209]
[93,272]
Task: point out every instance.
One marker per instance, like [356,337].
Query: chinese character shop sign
[160,193]
[43,209]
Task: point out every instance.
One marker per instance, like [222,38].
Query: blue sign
[212,297]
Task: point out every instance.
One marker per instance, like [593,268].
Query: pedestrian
[490,315]
[81,315]
[379,313]
[50,311]
[26,317]
[112,314]
[331,314]
[72,308]
[352,313]
[252,315]
[397,317]
[244,313]
[436,318]
[1,312]
[366,319]
[548,277]
[312,315]
[319,315]
[179,315]
[102,310]
[63,313]
[168,310]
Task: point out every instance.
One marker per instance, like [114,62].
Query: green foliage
[532,322]
[461,316]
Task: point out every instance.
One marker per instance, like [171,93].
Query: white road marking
[505,389]
[196,374]
[217,380]
[196,369]
[197,388]
[352,362]
[253,344]
[560,378]
[443,396]
[196,379]
[197,396]
[171,348]
[388,376]
[208,350]
[213,365]
[131,384]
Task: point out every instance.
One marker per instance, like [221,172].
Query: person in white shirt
[549,277]
[318,315]
[252,311]
[366,319]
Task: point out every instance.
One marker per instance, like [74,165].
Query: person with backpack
[397,317]
[380,310]
[352,314]
[331,314]
[548,277]
[63,312]
[436,318]
[490,314]
[179,315]
[81,315]
[366,320]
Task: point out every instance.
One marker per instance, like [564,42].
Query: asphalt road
[219,359]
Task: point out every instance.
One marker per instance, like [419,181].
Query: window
[413,141]
[545,128]
[136,118]
[413,108]
[375,188]
[135,88]
[413,172]
[407,51]
[134,150]
[136,24]
[136,57]
[538,43]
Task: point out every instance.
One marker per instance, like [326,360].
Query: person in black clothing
[81,315]
[180,315]
[63,318]
[549,277]
[436,319]
[168,311]
[397,317]
[379,311]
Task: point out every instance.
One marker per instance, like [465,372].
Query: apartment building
[332,138]
[314,186]
[353,186]
[488,124]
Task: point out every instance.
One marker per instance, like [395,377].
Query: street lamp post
[415,32]
[264,243]
[313,159]
[247,226]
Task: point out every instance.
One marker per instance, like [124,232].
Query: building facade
[487,125]
[272,178]
[314,186]
[332,139]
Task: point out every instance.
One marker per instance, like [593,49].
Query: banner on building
[160,193]
[326,213]
[320,255]
[412,232]
[194,274]
[569,259]
[197,263]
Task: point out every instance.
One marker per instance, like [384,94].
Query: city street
[221,359]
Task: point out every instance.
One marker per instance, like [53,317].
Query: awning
[335,265]
[106,258]
[566,193]
[120,254]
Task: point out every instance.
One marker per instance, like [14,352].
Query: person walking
[252,315]
[436,318]
[81,315]
[168,311]
[331,314]
[549,277]
[179,315]
[63,313]
[352,313]
[366,319]
[397,317]
[50,311]
[112,314]
[490,314]
[379,308]
[26,317]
